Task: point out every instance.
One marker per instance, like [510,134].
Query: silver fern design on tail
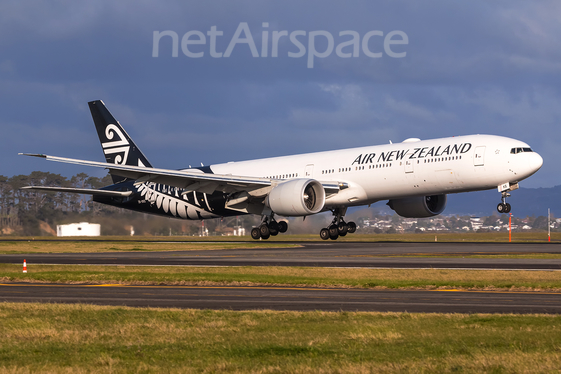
[116,146]
[170,201]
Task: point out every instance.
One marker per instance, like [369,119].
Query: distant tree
[540,223]
[490,221]
[391,230]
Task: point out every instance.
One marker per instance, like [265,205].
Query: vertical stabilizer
[117,145]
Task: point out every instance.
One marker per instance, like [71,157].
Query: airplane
[415,177]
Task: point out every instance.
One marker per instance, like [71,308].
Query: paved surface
[329,254]
[285,298]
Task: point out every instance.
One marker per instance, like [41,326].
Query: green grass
[287,276]
[102,339]
[75,246]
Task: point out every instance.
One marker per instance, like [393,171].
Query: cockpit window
[520,150]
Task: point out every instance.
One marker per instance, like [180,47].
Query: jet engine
[420,206]
[297,197]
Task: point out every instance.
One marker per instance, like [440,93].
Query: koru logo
[120,145]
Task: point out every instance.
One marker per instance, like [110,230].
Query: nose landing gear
[504,189]
[504,207]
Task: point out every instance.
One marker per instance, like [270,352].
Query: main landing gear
[269,226]
[338,226]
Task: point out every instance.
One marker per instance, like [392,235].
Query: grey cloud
[471,67]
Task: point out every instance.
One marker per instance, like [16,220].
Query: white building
[79,229]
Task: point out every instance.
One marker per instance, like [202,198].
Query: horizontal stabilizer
[83,191]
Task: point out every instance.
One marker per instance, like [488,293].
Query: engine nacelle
[297,197]
[420,206]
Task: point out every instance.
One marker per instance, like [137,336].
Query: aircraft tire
[273,228]
[255,233]
[264,231]
[342,228]
[283,226]
[324,234]
[352,227]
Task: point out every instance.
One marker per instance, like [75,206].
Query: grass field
[74,246]
[97,339]
[14,245]
[54,338]
[490,237]
[290,276]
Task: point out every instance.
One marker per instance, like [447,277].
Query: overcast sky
[468,67]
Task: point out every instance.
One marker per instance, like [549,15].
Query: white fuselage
[411,168]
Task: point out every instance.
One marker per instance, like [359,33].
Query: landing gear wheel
[343,228]
[324,234]
[255,233]
[264,231]
[352,227]
[507,208]
[283,226]
[502,207]
[333,232]
[273,228]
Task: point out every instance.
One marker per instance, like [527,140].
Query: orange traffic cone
[24,266]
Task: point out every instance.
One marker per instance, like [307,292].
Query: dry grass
[488,237]
[66,246]
[93,339]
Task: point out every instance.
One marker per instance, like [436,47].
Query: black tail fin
[117,145]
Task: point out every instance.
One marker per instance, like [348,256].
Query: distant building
[476,223]
[79,229]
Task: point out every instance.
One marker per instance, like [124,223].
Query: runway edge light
[24,266]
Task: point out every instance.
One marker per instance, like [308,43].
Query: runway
[285,298]
[329,254]
[316,254]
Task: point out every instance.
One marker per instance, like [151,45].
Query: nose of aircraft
[534,162]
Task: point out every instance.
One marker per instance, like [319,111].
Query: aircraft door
[479,156]
[309,172]
[408,167]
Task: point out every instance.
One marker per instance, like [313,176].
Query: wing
[188,180]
